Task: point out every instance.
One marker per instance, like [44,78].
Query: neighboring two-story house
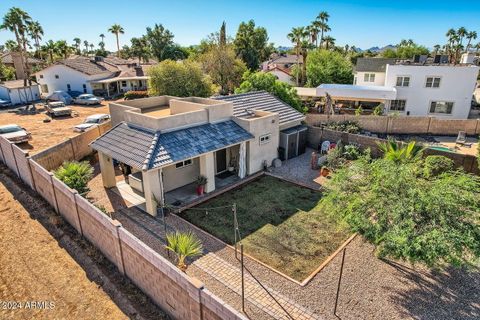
[419,87]
[168,142]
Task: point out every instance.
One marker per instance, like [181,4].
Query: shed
[293,142]
[17,93]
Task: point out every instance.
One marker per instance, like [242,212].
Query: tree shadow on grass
[449,294]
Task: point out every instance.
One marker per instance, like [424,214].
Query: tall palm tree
[329,42]
[91,47]
[297,36]
[477,48]
[51,49]
[11,45]
[63,48]
[35,31]
[183,245]
[117,29]
[472,35]
[436,49]
[322,20]
[85,43]
[76,44]
[313,31]
[461,32]
[16,20]
[102,36]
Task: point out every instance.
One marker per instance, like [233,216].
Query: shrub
[130,95]
[378,111]
[183,245]
[75,175]
[335,159]
[398,152]
[436,165]
[359,111]
[351,152]
[344,126]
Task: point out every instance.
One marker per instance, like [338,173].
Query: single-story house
[17,93]
[97,75]
[167,142]
[281,74]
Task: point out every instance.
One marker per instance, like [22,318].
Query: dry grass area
[50,133]
[43,259]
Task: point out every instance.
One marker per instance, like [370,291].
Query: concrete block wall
[175,292]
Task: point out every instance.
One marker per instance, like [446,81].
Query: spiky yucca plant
[75,175]
[395,151]
[184,245]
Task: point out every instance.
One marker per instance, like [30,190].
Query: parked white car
[60,96]
[91,121]
[14,133]
[88,99]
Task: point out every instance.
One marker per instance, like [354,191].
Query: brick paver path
[231,277]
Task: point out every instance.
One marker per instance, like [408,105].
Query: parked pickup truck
[14,133]
[58,109]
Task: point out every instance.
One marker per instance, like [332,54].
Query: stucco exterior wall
[177,177]
[282,76]
[20,95]
[456,85]
[379,79]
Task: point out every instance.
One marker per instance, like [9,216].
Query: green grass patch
[281,224]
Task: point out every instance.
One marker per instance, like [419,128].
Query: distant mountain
[378,49]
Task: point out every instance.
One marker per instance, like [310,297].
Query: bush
[351,152]
[359,111]
[344,126]
[436,165]
[130,95]
[378,110]
[75,175]
[335,159]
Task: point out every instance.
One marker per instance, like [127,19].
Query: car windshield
[8,129]
[87,96]
[91,120]
[56,105]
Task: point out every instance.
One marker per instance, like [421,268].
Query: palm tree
[472,35]
[63,48]
[297,36]
[102,36]
[313,31]
[461,32]
[322,19]
[35,31]
[77,42]
[16,20]
[398,152]
[117,29]
[436,49]
[184,245]
[51,49]
[11,45]
[85,43]
[477,48]
[329,42]
[91,47]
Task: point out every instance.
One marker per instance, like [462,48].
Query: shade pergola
[357,93]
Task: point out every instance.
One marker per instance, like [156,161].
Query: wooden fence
[181,296]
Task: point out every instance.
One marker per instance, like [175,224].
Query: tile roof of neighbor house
[373,64]
[88,66]
[7,59]
[15,84]
[288,58]
[264,101]
[145,149]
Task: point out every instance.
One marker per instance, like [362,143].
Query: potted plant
[201,182]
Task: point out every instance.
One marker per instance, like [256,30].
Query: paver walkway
[230,276]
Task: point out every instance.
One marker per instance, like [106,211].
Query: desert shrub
[359,111]
[75,175]
[130,95]
[351,152]
[344,126]
[335,159]
[435,165]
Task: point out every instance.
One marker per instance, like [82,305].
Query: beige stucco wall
[175,178]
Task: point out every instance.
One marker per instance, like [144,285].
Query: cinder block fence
[179,295]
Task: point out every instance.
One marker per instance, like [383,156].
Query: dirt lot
[43,260]
[48,134]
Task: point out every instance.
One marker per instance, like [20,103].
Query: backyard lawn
[280,223]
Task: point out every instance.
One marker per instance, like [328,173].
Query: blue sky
[360,23]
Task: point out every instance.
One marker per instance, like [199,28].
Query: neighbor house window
[265,138]
[441,107]
[403,81]
[432,82]
[354,80]
[41,76]
[124,83]
[182,164]
[398,105]
[369,77]
[56,76]
[69,88]
[84,88]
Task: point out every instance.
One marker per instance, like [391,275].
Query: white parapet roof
[354,92]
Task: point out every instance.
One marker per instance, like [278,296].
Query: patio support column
[107,169]
[207,169]
[153,190]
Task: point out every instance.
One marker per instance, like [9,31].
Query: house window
[441,107]
[432,82]
[398,105]
[403,81]
[265,138]
[369,77]
[354,80]
[56,76]
[69,88]
[41,76]
[124,83]
[44,88]
[84,88]
[182,164]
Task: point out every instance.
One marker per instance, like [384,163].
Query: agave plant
[184,245]
[395,151]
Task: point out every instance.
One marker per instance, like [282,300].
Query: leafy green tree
[181,79]
[117,30]
[140,49]
[434,221]
[6,73]
[405,51]
[298,36]
[75,175]
[251,44]
[183,245]
[324,66]
[161,41]
[256,81]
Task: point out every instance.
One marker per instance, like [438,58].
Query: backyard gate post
[243,280]
[339,282]
[235,227]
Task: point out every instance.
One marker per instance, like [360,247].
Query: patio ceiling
[357,93]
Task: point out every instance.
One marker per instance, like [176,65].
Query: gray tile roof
[373,64]
[145,149]
[261,100]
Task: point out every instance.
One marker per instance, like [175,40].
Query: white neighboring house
[282,75]
[17,93]
[422,87]
[98,75]
[281,65]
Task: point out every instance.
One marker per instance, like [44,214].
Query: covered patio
[164,167]
[112,86]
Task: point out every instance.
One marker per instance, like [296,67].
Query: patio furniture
[462,139]
[325,147]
